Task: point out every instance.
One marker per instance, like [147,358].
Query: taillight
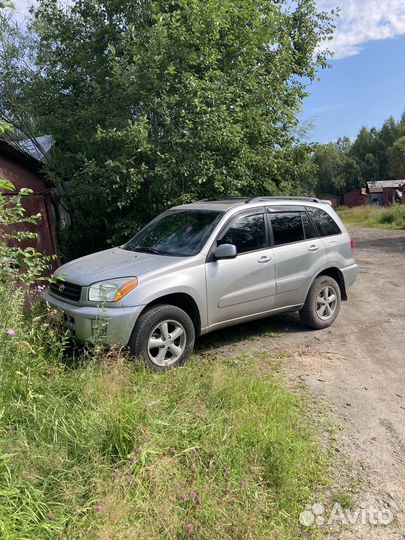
[352,245]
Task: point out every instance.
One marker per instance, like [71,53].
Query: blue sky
[366,82]
[359,90]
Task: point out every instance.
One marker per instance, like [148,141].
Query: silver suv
[203,266]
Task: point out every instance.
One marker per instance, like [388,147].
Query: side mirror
[225,251]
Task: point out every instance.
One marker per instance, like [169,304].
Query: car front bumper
[88,323]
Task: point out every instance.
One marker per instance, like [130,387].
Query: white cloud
[325,108]
[364,20]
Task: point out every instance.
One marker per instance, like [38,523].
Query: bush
[390,217]
[17,265]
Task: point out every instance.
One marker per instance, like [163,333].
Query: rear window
[287,227]
[323,221]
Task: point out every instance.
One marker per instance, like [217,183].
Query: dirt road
[357,366]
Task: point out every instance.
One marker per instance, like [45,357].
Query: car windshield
[180,233]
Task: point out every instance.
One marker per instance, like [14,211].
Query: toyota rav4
[203,266]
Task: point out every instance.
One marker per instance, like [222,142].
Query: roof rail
[264,198]
[225,198]
[287,198]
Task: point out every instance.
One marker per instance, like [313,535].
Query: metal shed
[26,171]
[357,197]
[385,192]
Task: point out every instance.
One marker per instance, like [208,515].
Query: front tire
[163,337]
[322,304]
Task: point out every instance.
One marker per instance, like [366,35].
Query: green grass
[344,499]
[390,217]
[98,447]
[251,331]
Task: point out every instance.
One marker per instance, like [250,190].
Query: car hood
[111,264]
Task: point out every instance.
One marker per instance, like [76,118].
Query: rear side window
[325,224]
[247,233]
[309,229]
[287,227]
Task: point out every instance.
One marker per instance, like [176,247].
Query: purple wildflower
[243,483]
[98,508]
[183,497]
[226,470]
[189,527]
[133,459]
[128,477]
[10,332]
[116,474]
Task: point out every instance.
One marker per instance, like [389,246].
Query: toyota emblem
[61,288]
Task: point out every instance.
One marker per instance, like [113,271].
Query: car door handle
[264,259]
[313,248]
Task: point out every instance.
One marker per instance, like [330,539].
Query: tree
[374,155]
[344,144]
[16,72]
[389,132]
[370,167]
[337,172]
[352,173]
[160,102]
[362,145]
[397,159]
[17,264]
[373,148]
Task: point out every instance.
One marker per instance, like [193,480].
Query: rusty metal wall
[354,198]
[336,200]
[389,195]
[39,202]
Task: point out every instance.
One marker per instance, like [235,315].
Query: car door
[337,246]
[244,285]
[299,254]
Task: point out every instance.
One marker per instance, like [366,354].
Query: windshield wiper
[144,249]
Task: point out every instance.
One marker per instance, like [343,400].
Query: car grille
[67,290]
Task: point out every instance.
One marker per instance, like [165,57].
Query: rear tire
[322,304]
[163,337]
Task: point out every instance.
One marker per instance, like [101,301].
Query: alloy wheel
[326,303]
[166,343]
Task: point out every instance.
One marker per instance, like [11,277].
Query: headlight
[111,290]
